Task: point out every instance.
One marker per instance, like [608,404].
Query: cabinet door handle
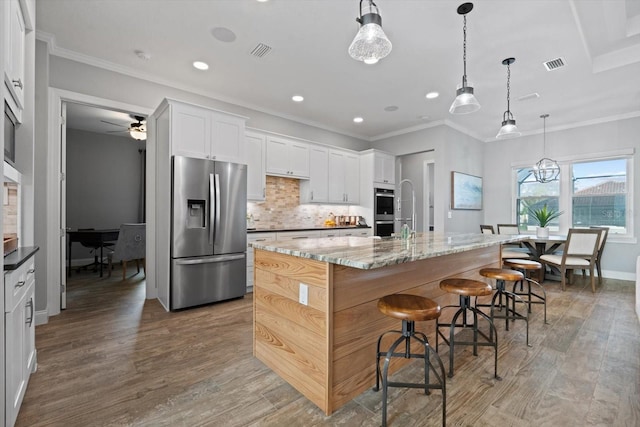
[311,195]
[29,320]
[31,271]
[17,83]
[20,284]
[300,237]
[264,192]
[260,240]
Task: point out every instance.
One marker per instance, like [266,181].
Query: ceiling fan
[137,130]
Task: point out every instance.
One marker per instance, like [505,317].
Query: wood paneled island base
[326,349]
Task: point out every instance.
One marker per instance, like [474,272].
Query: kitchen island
[316,321]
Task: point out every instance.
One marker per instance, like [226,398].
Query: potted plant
[543,217]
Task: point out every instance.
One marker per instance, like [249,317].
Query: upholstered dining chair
[487,229]
[131,245]
[512,250]
[603,239]
[580,252]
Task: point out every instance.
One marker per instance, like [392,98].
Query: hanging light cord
[507,114]
[464,52]
[544,134]
[371,6]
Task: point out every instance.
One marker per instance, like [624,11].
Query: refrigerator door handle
[212,198]
[216,225]
[219,258]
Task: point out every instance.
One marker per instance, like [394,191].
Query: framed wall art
[466,191]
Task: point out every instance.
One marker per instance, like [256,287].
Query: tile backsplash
[282,208]
[10,208]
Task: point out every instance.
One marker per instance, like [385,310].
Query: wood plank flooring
[115,359]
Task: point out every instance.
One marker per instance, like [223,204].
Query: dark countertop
[273,230]
[18,257]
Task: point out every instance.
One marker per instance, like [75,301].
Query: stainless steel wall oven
[383,211]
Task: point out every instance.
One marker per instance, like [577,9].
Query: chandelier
[546,170]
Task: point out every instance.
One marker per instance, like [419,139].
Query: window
[600,195]
[533,194]
[590,191]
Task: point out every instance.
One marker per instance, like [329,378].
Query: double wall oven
[383,212]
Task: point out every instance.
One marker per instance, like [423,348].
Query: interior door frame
[57,146]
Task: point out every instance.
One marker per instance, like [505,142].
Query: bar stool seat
[501,276]
[410,309]
[526,267]
[465,289]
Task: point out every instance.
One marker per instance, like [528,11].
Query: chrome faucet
[413,206]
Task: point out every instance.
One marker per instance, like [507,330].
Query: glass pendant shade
[371,43]
[465,101]
[508,130]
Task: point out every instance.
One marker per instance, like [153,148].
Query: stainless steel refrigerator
[208,231]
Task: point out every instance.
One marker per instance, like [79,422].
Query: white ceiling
[599,41]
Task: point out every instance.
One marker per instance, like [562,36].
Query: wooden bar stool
[409,309]
[467,288]
[501,276]
[526,267]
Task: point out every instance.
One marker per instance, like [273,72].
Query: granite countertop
[273,230]
[368,253]
[18,257]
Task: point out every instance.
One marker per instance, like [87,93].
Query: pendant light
[465,101]
[546,170]
[508,129]
[371,43]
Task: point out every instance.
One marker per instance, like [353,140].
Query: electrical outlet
[303,294]
[449,215]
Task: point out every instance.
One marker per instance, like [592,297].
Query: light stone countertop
[367,253]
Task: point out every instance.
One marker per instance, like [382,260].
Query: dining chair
[131,245]
[580,253]
[487,229]
[512,250]
[603,239]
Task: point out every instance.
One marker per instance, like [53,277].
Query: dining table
[539,246]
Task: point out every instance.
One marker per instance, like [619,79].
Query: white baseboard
[619,275]
[42,317]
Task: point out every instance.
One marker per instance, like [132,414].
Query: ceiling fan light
[465,101]
[508,130]
[370,43]
[138,132]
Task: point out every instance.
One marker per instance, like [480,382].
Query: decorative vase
[542,232]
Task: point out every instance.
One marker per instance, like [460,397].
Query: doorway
[104,184]
[419,168]
[56,238]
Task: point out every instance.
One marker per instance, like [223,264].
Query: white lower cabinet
[255,237]
[20,357]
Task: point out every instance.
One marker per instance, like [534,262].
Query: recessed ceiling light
[262,1]
[391,108]
[432,95]
[201,65]
[223,34]
[358,120]
[297,98]
[425,117]
[142,55]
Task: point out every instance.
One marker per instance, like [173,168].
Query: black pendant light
[465,101]
[509,128]
[370,43]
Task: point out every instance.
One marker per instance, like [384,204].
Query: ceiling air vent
[554,64]
[260,51]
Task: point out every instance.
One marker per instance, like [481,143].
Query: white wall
[453,151]
[585,140]
[103,182]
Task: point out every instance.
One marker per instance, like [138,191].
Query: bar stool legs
[409,309]
[525,266]
[465,289]
[407,334]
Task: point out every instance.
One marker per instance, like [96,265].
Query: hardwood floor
[115,359]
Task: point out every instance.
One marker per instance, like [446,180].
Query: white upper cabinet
[202,133]
[384,168]
[316,189]
[286,157]
[14,47]
[254,156]
[344,177]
